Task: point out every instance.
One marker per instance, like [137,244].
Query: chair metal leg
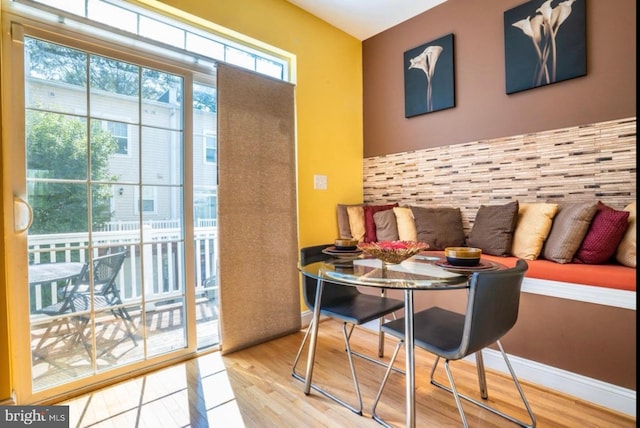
[374,415]
[481,404]
[482,377]
[358,409]
[380,338]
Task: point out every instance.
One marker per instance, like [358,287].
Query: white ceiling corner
[365,18]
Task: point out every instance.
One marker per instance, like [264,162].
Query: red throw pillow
[369,222]
[603,237]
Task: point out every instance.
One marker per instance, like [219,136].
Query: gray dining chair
[492,310]
[347,305]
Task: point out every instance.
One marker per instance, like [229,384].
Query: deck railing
[162,256]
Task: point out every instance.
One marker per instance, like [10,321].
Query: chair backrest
[331,292]
[105,271]
[492,307]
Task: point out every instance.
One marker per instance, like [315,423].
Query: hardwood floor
[254,388]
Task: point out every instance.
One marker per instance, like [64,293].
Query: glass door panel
[205,185]
[104,177]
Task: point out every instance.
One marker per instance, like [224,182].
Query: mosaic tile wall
[577,164]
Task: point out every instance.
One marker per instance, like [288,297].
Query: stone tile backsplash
[582,163]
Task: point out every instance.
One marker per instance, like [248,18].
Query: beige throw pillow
[626,252]
[356,222]
[532,228]
[405,223]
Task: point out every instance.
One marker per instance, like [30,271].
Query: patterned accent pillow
[626,252]
[532,228]
[493,228]
[406,224]
[440,227]
[569,228]
[369,222]
[386,225]
[605,233]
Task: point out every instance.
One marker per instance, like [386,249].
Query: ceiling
[365,18]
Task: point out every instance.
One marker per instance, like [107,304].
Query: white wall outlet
[320,182]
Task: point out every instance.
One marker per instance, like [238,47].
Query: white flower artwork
[537,40]
[432,89]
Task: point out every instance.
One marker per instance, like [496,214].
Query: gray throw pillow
[440,227]
[570,225]
[493,228]
[386,225]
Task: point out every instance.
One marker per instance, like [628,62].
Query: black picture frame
[429,82]
[526,46]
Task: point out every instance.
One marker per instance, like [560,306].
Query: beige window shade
[259,281]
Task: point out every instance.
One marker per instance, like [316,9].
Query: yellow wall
[328,108]
[328,100]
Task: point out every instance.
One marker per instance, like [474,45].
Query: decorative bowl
[393,252]
[346,244]
[463,256]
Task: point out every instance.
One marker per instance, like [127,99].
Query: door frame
[14,186]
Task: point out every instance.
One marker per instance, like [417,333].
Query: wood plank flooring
[254,388]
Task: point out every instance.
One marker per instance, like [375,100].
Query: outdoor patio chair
[106,294]
[69,302]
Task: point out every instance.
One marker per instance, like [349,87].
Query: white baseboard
[603,394]
[600,393]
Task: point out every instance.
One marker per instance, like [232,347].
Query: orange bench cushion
[606,275]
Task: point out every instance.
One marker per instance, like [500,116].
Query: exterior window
[148,202]
[210,148]
[172,33]
[121,133]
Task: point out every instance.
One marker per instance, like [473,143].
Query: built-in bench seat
[612,276]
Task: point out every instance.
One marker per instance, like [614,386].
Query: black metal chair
[106,294]
[348,305]
[492,310]
[61,314]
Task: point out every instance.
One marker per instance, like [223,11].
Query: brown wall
[482,108]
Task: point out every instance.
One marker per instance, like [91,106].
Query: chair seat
[75,303]
[437,330]
[361,308]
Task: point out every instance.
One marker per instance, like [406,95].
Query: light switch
[320,182]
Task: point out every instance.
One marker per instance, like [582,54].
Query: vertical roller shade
[257,214]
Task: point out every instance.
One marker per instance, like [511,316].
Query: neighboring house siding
[161,134]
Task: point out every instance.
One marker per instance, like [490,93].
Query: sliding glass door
[116,213]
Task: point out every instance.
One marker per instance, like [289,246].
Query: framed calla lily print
[544,43]
[428,77]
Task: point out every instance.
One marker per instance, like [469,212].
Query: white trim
[582,293]
[604,394]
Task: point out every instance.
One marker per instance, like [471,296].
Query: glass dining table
[425,271]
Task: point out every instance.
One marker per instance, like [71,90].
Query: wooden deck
[60,354]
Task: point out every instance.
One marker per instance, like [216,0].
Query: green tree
[57,166]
